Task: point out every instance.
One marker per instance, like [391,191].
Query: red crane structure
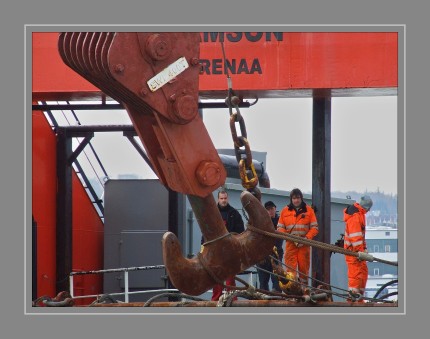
[159,77]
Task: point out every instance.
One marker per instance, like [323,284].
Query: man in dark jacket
[234,224]
[263,276]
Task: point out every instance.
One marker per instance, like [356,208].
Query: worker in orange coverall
[299,219]
[355,231]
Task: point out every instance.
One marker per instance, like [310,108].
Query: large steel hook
[155,76]
[225,254]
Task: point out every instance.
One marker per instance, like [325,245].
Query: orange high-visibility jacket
[302,223]
[355,228]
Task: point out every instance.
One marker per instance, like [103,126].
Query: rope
[345,296]
[227,300]
[104,299]
[229,81]
[392,263]
[302,284]
[63,303]
[251,289]
[35,303]
[62,299]
[249,292]
[178,295]
[309,277]
[216,239]
[328,292]
[321,245]
[270,293]
[226,68]
[208,270]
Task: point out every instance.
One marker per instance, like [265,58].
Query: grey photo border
[400,29]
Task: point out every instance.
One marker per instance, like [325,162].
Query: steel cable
[340,295]
[321,245]
[309,277]
[178,295]
[305,285]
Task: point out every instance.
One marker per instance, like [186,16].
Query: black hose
[104,299]
[383,286]
[385,296]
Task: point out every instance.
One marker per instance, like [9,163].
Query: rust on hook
[223,256]
[135,68]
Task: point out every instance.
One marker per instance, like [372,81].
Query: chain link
[242,149]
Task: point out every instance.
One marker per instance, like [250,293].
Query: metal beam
[81,130]
[34,259]
[130,136]
[64,211]
[321,155]
[333,53]
[80,148]
[96,107]
[90,188]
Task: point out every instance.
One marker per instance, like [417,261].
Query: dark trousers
[264,277]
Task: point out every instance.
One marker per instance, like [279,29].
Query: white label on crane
[168,74]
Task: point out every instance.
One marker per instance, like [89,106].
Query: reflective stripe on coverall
[355,240]
[302,223]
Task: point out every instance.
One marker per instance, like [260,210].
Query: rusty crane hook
[225,254]
[137,69]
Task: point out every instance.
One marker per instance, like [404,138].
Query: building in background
[382,243]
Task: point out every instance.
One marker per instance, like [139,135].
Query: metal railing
[251,276]
[82,175]
[127,291]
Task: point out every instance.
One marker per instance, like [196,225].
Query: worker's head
[271,208]
[296,197]
[222,198]
[366,202]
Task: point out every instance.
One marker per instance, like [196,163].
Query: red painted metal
[305,61]
[87,226]
[87,243]
[164,114]
[44,201]
[290,64]
[297,63]
[51,78]
[165,119]
[253,303]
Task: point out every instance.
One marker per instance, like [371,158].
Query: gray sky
[364,142]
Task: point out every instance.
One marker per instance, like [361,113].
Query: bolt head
[194,61]
[208,173]
[158,46]
[185,108]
